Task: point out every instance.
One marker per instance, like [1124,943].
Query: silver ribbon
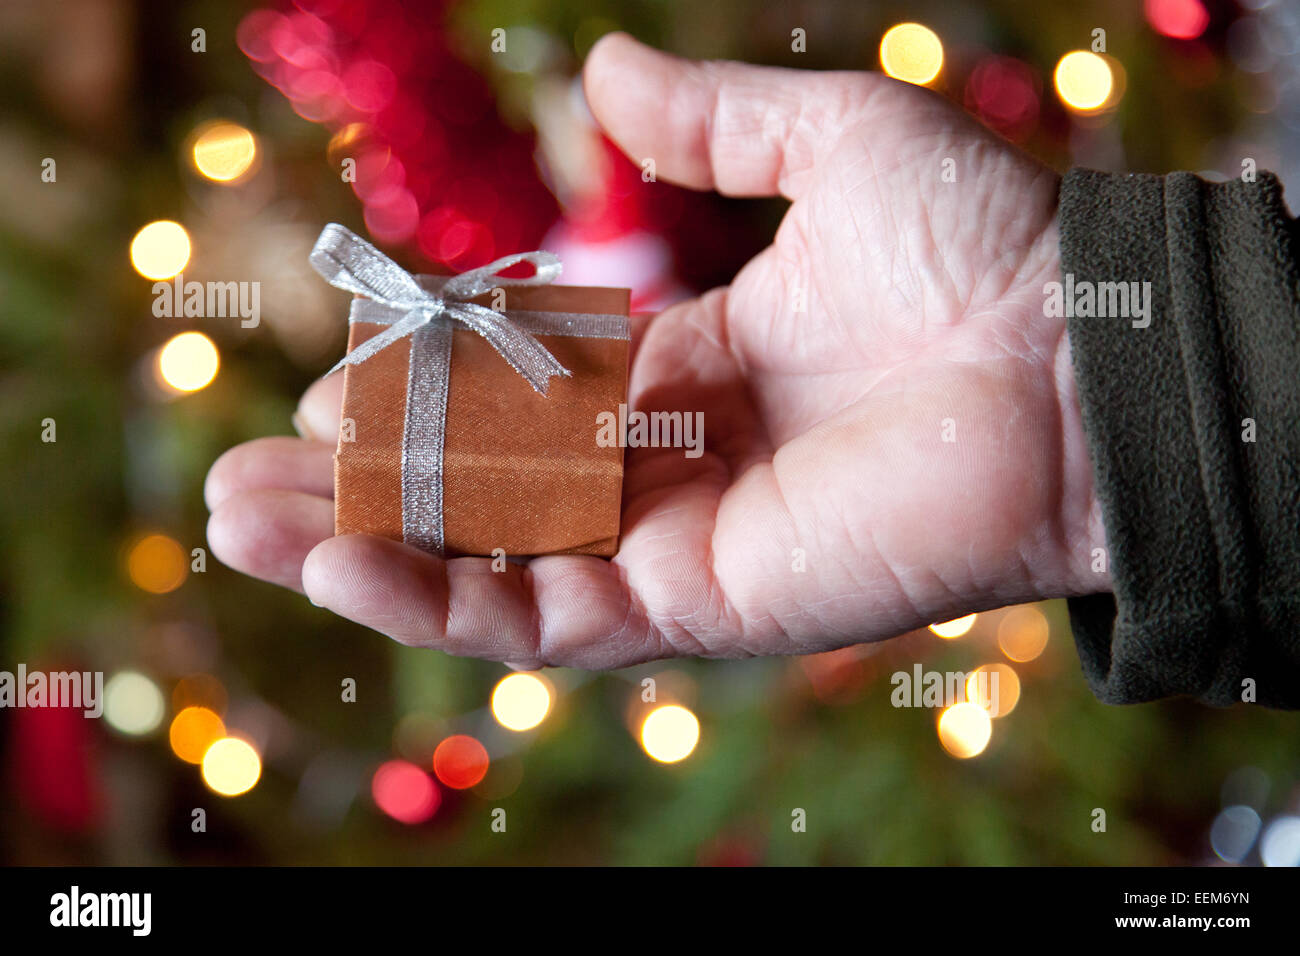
[428,309]
[346,261]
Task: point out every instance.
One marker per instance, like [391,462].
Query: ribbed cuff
[1204,573]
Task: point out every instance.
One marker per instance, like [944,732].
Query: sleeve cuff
[1201,523]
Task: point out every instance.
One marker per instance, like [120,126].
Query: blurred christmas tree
[237,123]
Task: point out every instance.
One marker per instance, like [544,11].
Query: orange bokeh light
[1023,634]
[157,564]
[193,731]
[460,762]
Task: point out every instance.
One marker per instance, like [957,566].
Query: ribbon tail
[377,343]
[527,356]
[548,367]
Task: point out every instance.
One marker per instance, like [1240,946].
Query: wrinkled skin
[825,420]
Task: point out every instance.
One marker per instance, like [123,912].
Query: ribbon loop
[346,261]
[485,278]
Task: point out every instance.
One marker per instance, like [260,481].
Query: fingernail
[300,427]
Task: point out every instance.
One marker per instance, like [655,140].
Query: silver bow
[346,261]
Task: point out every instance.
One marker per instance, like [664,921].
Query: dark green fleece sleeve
[1193,425]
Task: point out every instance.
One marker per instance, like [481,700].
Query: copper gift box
[522,472]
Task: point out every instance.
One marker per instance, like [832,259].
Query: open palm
[891,432]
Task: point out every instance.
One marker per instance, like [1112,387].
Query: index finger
[740,129]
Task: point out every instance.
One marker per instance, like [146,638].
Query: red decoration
[55,766]
[435,164]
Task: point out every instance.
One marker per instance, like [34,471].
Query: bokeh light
[1280,845]
[1004,93]
[160,250]
[911,52]
[460,762]
[157,564]
[133,704]
[1233,833]
[1180,19]
[231,766]
[997,696]
[193,731]
[1023,633]
[954,628]
[223,151]
[670,733]
[405,792]
[965,729]
[521,701]
[188,362]
[1083,81]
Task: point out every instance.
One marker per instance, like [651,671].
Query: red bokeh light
[253,35]
[405,792]
[1004,93]
[460,762]
[395,218]
[381,177]
[1180,19]
[369,85]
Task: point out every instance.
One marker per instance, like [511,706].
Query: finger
[319,410]
[268,533]
[638,323]
[289,464]
[561,610]
[742,130]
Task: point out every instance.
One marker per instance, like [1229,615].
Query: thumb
[742,130]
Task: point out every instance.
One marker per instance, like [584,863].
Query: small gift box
[471,404]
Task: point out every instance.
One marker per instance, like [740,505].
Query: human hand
[824,428]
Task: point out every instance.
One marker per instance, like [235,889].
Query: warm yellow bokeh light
[521,701]
[965,729]
[193,731]
[344,143]
[954,628]
[157,564]
[1023,634]
[160,250]
[231,766]
[224,151]
[1083,80]
[1000,690]
[189,361]
[911,52]
[133,704]
[670,733]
